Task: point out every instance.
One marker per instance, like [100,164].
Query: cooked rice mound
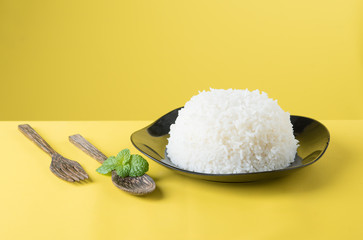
[231,131]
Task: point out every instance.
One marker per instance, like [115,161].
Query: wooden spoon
[135,185]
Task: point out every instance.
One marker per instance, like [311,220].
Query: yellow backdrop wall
[129,60]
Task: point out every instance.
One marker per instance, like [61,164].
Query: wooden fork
[62,167]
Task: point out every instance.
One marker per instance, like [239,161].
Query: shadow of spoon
[134,185]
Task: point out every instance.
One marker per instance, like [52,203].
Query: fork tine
[83,174]
[61,175]
[75,172]
[65,169]
[80,170]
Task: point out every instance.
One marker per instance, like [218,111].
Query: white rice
[231,131]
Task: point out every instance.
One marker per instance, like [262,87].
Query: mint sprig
[125,164]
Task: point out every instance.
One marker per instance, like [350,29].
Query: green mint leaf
[123,170]
[139,166]
[108,165]
[124,156]
[125,164]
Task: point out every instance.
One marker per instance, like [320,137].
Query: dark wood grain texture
[62,167]
[87,147]
[134,185]
[67,169]
[30,133]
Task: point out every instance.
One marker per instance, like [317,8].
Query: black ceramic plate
[312,135]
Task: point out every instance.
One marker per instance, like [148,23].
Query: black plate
[312,135]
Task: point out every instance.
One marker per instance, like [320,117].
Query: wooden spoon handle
[30,133]
[87,147]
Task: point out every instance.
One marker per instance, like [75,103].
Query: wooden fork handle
[30,133]
[87,147]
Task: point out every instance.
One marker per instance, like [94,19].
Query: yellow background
[136,60]
[128,60]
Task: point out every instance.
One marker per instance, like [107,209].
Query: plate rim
[230,174]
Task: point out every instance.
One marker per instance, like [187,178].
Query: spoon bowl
[134,185]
